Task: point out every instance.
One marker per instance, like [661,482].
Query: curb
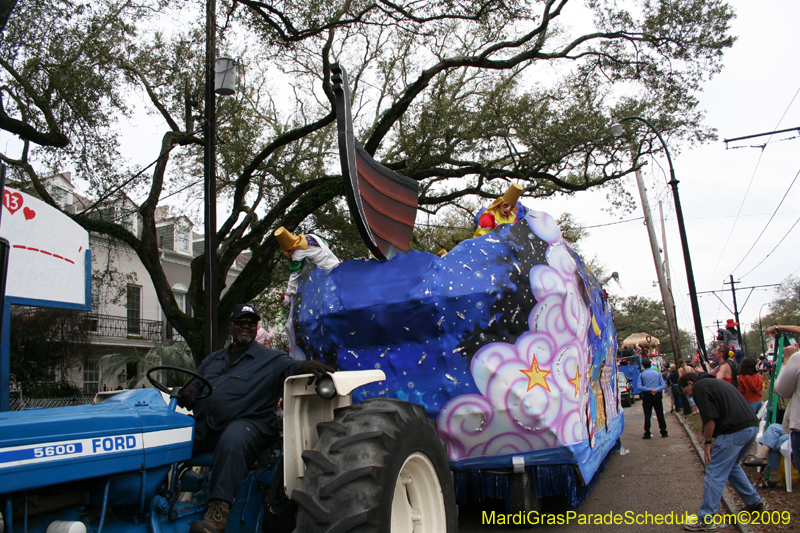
[727,499]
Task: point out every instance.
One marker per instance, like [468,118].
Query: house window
[91,376]
[134,309]
[181,239]
[59,195]
[182,299]
[96,288]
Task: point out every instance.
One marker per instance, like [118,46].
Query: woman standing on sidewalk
[672,383]
[751,384]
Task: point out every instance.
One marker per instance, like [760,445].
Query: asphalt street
[657,476]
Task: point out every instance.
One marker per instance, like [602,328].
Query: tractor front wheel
[380,467]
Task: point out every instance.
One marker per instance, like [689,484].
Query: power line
[767,224]
[614,223]
[741,206]
[752,177]
[775,248]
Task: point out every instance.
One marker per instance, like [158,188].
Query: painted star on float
[576,381]
[536,376]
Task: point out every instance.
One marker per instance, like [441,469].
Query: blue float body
[129,432]
[427,321]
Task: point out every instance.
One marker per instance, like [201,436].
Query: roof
[638,339]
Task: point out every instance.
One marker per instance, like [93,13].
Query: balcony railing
[125,328]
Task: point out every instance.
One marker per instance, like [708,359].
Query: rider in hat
[730,336]
[501,211]
[300,248]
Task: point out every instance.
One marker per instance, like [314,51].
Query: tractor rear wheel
[380,467]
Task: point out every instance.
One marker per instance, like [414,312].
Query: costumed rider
[502,211]
[299,249]
[239,419]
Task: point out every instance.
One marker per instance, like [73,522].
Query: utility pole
[666,296]
[736,312]
[666,265]
[210,182]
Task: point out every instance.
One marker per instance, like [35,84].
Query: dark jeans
[687,407]
[796,449]
[652,401]
[676,397]
[235,447]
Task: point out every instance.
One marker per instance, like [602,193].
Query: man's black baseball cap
[243,310]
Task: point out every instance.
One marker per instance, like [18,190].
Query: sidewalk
[656,476]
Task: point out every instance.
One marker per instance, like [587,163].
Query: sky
[727,195]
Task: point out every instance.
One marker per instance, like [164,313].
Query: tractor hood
[130,431]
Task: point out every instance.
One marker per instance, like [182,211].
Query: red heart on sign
[29,213]
[12,201]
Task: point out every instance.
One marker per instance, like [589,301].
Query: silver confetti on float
[354,354]
[492,321]
[421,359]
[384,391]
[466,266]
[405,328]
[440,321]
[523,426]
[492,278]
[373,316]
[558,363]
[460,315]
[384,352]
[455,381]
[484,252]
[483,423]
[519,270]
[457,350]
[352,333]
[492,240]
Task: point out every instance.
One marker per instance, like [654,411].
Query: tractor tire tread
[351,474]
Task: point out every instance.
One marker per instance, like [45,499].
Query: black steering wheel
[175,392]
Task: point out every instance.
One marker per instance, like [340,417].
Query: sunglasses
[244,322]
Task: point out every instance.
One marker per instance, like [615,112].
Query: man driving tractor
[239,419]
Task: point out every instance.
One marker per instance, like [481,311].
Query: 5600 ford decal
[116,444]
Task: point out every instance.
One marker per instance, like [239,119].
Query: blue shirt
[247,386]
[650,379]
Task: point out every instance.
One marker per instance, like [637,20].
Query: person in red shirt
[751,383]
[502,211]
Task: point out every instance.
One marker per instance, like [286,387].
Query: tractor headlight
[326,389]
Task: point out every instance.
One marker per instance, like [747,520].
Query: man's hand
[318,368]
[707,454]
[187,397]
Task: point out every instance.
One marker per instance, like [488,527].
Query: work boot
[215,520]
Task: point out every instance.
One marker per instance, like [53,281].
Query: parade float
[507,341]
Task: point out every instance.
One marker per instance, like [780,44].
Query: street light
[617,131]
[220,79]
